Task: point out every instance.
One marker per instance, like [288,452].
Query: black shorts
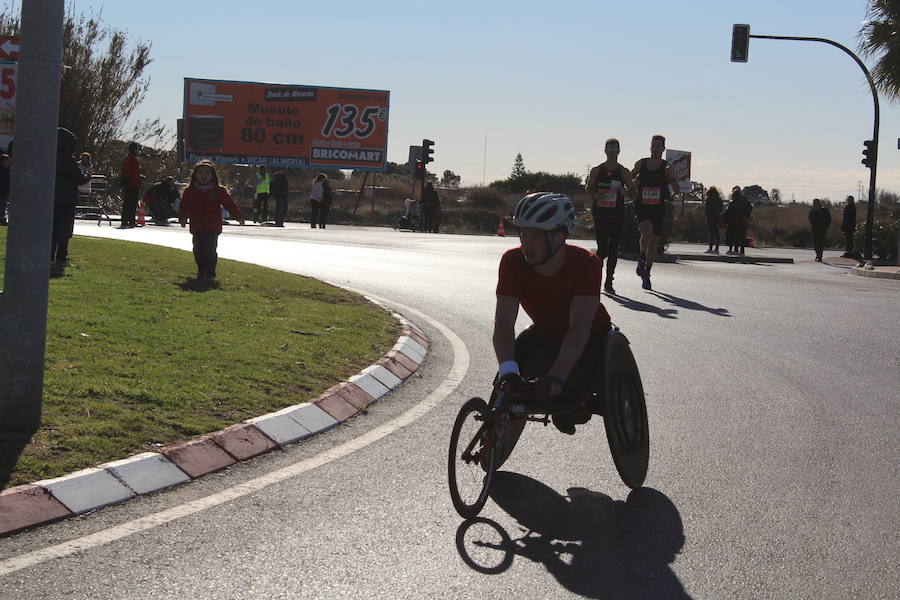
[652,213]
[608,232]
[536,353]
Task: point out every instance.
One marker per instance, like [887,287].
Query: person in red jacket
[202,204]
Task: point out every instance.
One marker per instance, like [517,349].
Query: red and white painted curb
[114,482]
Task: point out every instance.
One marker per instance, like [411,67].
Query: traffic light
[420,170]
[427,151]
[869,153]
[740,43]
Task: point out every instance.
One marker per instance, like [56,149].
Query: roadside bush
[486,198]
[884,235]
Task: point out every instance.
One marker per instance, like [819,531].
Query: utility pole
[23,303]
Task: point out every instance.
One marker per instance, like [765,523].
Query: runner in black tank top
[606,186]
[656,183]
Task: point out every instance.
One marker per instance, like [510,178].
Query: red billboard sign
[241,122]
[8,78]
[681,162]
[9,47]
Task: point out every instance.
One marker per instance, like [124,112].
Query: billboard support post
[23,303]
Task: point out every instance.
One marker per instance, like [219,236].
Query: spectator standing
[713,209]
[430,206]
[202,204]
[848,226]
[436,217]
[69,176]
[737,216]
[86,166]
[819,220]
[320,197]
[280,191]
[4,186]
[162,199]
[130,178]
[263,185]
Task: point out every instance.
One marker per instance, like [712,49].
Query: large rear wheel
[470,465]
[625,412]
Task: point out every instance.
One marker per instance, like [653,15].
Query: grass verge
[140,356]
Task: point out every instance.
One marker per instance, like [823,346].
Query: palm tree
[879,38]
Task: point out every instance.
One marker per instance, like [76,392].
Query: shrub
[486,198]
[884,235]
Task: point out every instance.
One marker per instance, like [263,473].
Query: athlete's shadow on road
[626,302]
[593,545]
[690,304]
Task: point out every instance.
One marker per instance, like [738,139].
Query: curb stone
[41,502]
[878,272]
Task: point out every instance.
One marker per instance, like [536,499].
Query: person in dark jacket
[713,209]
[161,199]
[279,190]
[131,179]
[202,204]
[430,206]
[819,219]
[848,226]
[4,186]
[68,177]
[737,216]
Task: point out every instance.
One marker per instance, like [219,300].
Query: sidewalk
[879,271]
[751,256]
[49,500]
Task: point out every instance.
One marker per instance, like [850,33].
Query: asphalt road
[773,403]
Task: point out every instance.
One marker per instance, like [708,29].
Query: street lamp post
[740,40]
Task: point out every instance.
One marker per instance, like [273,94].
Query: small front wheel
[470,465]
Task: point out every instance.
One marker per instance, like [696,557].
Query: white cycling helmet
[546,211]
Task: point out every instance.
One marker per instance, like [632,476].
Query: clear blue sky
[553,80]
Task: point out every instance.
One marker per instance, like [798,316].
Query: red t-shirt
[547,300]
[204,208]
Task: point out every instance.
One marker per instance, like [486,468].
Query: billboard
[8,72]
[242,122]
[681,162]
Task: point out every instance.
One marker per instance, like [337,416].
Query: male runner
[558,285]
[604,185]
[656,182]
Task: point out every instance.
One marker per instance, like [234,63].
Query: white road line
[450,383]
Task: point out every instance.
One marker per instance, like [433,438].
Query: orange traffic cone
[752,243]
[500,229]
[140,214]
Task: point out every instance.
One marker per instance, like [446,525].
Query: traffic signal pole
[870,213]
[23,302]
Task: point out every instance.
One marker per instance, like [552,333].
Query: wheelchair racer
[558,286]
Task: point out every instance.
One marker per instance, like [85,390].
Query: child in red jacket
[202,203]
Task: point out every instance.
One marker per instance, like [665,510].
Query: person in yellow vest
[262,194]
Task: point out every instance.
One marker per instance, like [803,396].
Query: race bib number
[605,198]
[649,195]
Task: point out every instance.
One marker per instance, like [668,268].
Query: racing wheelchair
[485,433]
